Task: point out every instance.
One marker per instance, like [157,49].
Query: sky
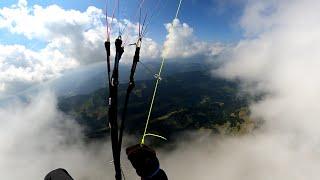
[277,56]
[214,20]
[41,40]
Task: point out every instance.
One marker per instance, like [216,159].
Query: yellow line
[152,101]
[155,92]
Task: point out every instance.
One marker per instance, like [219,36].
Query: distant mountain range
[89,78]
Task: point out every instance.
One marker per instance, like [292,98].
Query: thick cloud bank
[262,156]
[36,138]
[280,58]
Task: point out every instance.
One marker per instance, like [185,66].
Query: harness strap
[113,109]
[131,85]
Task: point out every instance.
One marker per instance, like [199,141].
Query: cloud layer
[35,138]
[261,156]
[66,39]
[71,39]
[21,67]
[279,57]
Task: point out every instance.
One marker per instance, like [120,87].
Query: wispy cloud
[279,57]
[35,138]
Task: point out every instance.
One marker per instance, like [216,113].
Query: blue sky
[212,20]
[61,38]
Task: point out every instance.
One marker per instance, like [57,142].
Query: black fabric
[146,163]
[58,174]
[113,109]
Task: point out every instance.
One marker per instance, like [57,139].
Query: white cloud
[49,22]
[262,156]
[279,57]
[71,37]
[282,60]
[76,34]
[21,67]
[35,138]
[181,43]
